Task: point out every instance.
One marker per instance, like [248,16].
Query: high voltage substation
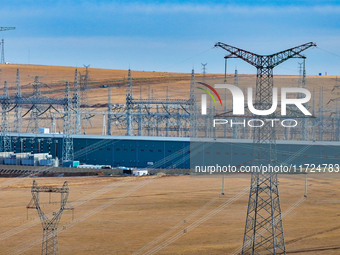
[153,119]
[157,117]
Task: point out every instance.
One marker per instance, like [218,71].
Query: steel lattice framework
[149,116]
[5,120]
[263,231]
[34,102]
[50,225]
[2,61]
[68,128]
[76,103]
[18,109]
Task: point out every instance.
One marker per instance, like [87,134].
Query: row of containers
[46,159]
[28,159]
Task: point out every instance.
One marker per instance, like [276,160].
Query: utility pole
[222,193]
[263,230]
[305,184]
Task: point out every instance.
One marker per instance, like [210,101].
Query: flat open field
[168,215]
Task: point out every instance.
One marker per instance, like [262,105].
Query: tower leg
[50,242]
[263,231]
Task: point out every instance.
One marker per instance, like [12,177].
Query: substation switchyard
[149,132]
[169,133]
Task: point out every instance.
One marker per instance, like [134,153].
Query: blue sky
[169,35]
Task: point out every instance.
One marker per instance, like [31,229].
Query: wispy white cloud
[161,8]
[155,36]
[168,8]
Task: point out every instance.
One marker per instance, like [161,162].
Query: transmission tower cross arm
[282,56]
[6,28]
[247,56]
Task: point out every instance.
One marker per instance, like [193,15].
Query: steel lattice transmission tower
[2,61]
[84,84]
[5,121]
[204,70]
[129,98]
[263,231]
[50,225]
[68,129]
[18,109]
[109,115]
[76,101]
[192,106]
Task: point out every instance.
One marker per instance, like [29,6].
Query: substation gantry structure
[150,116]
[147,116]
[263,230]
[50,223]
[180,118]
[37,105]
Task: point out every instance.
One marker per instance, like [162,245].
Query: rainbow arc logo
[204,96]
